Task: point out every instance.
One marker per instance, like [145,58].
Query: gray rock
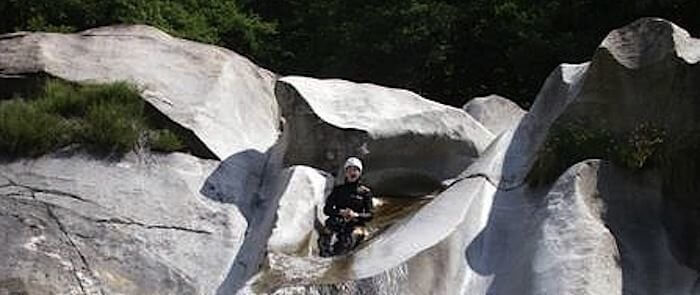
[300,206]
[530,247]
[51,249]
[87,226]
[495,112]
[409,144]
[140,224]
[226,101]
[599,229]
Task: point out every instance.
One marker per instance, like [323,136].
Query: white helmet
[353,162]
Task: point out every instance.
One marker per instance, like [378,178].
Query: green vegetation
[220,22]
[105,119]
[164,140]
[446,50]
[573,142]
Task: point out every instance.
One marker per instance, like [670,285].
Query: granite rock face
[598,227]
[222,98]
[116,228]
[496,113]
[409,144]
[165,224]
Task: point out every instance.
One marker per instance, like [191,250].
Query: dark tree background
[445,50]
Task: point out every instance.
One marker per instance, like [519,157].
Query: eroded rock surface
[597,228]
[409,144]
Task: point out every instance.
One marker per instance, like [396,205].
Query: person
[348,207]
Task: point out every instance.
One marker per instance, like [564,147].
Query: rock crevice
[79,276]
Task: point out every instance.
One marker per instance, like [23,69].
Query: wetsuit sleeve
[331,208]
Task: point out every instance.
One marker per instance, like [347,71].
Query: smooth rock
[225,100]
[299,207]
[495,112]
[409,144]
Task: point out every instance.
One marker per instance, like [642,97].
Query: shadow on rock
[251,180]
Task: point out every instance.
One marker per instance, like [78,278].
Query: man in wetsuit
[348,207]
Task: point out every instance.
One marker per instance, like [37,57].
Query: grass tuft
[106,119]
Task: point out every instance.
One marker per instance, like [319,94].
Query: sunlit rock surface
[496,113]
[596,229]
[225,100]
[133,226]
[409,144]
[470,217]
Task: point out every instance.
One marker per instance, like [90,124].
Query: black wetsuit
[354,196]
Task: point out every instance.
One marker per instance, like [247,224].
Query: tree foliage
[219,22]
[452,50]
[446,50]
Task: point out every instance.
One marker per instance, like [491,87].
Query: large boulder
[409,144]
[495,112]
[596,230]
[47,249]
[611,221]
[597,227]
[222,98]
[299,206]
[129,227]
[225,106]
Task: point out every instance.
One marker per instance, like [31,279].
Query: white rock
[302,199]
[598,230]
[496,113]
[156,203]
[227,101]
[404,139]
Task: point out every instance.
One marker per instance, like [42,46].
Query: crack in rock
[127,221]
[55,192]
[13,35]
[119,221]
[486,177]
[137,36]
[12,183]
[83,282]
[13,195]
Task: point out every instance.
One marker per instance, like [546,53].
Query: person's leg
[325,235]
[324,242]
[332,226]
[346,241]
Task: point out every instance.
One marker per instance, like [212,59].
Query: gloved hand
[348,214]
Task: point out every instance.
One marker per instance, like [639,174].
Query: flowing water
[286,274]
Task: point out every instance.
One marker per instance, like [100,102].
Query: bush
[61,99]
[573,142]
[25,130]
[106,119]
[111,128]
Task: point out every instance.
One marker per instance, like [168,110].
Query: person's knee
[359,233]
